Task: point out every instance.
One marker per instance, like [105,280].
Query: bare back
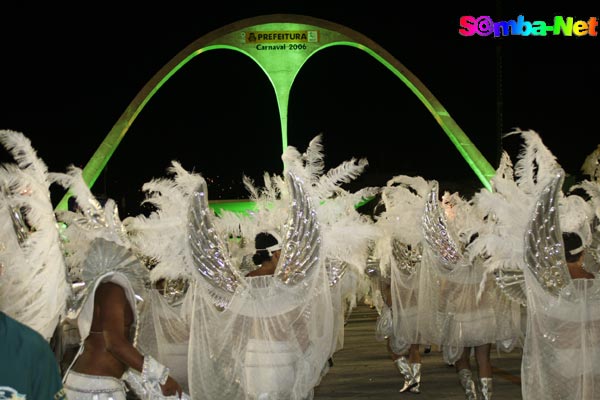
[109,335]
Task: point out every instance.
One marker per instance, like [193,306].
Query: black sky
[68,74]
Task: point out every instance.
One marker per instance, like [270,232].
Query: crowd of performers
[192,303]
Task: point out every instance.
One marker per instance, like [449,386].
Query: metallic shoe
[466,381]
[485,388]
[416,370]
[406,372]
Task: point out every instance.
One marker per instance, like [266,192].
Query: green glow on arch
[281,67]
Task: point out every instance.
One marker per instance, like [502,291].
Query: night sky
[68,75]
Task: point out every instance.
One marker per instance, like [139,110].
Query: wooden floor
[362,369]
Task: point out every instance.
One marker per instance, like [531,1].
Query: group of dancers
[462,275]
[185,302]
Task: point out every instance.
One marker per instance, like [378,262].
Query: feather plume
[24,154]
[505,167]
[536,163]
[86,201]
[343,173]
[592,189]
[404,198]
[250,187]
[162,235]
[313,158]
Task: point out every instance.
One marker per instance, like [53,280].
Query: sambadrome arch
[280,44]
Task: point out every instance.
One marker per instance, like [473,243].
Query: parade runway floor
[362,369]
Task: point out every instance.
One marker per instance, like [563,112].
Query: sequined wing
[301,245]
[208,251]
[512,283]
[407,257]
[437,233]
[335,270]
[544,254]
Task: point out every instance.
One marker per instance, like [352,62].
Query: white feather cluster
[33,286]
[163,234]
[404,199]
[575,215]
[347,235]
[591,165]
[536,164]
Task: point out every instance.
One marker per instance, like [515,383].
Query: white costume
[562,346]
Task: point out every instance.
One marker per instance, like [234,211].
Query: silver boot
[466,381]
[406,372]
[416,370]
[485,388]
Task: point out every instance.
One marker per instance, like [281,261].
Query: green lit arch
[282,67]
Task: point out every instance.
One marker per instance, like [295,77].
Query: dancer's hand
[171,388]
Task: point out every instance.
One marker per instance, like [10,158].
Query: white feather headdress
[162,235]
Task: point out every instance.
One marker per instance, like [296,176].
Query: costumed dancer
[346,233]
[110,280]
[164,327]
[469,319]
[253,337]
[562,349]
[399,251]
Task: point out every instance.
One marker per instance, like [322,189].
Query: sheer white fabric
[339,312]
[405,309]
[562,347]
[461,319]
[164,333]
[271,342]
[352,289]
[430,312]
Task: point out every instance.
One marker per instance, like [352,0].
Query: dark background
[67,75]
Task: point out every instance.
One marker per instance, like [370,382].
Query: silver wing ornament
[407,257]
[335,270]
[512,283]
[300,246]
[437,232]
[544,254]
[208,252]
